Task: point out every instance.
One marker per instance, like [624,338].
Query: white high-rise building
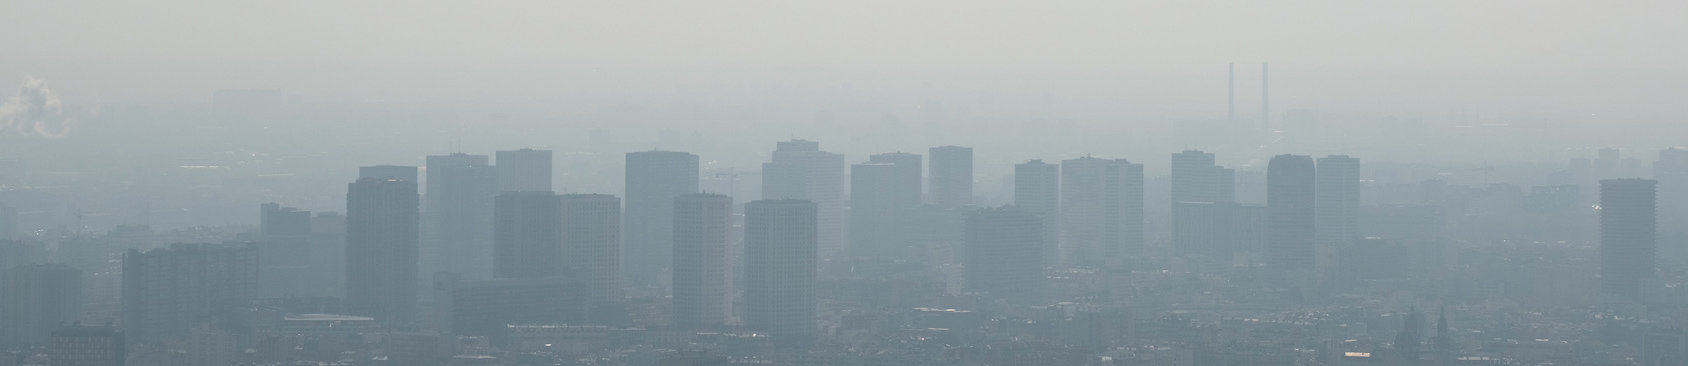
[527,235]
[458,209]
[591,229]
[703,266]
[883,192]
[780,243]
[1290,213]
[1101,210]
[1628,221]
[1004,255]
[382,246]
[952,175]
[1201,192]
[654,179]
[1336,207]
[1037,189]
[524,170]
[800,170]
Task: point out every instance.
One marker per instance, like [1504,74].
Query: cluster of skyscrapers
[487,248]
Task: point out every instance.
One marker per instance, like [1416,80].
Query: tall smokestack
[1265,100]
[1231,93]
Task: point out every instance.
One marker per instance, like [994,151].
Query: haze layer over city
[844,183]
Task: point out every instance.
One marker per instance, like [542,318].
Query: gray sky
[368,50]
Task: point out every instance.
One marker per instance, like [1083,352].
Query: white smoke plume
[35,111]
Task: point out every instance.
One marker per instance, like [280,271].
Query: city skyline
[942,183]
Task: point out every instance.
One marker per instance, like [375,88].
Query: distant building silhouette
[654,179]
[382,244]
[1101,210]
[1447,350]
[1336,207]
[1004,254]
[81,345]
[167,291]
[528,235]
[952,175]
[1407,340]
[1290,213]
[1671,170]
[1204,228]
[883,191]
[289,265]
[780,269]
[458,213]
[800,170]
[1037,189]
[35,300]
[524,170]
[1195,178]
[1627,224]
[591,228]
[405,173]
[1201,199]
[703,266]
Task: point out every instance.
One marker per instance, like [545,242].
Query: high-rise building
[524,170]
[406,173]
[703,268]
[1627,224]
[1290,213]
[1671,170]
[1608,163]
[1201,195]
[952,175]
[780,268]
[800,170]
[882,192]
[166,291]
[81,345]
[527,235]
[458,210]
[284,237]
[654,178]
[1195,178]
[1004,255]
[1204,229]
[328,232]
[1336,207]
[382,244]
[35,300]
[1101,210]
[1037,189]
[277,222]
[1248,230]
[591,228]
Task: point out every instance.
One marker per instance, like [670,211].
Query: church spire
[1445,349]
[1407,340]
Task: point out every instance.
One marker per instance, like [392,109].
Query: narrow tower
[1265,100]
[1231,93]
